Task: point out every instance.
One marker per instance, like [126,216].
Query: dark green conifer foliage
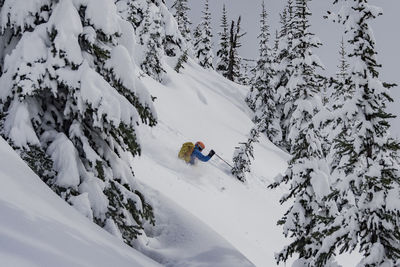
[307,173]
[153,40]
[66,124]
[234,60]
[181,61]
[262,96]
[366,171]
[223,51]
[181,16]
[244,153]
[203,40]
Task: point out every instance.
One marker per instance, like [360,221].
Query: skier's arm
[201,156]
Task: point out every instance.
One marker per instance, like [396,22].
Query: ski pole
[223,160]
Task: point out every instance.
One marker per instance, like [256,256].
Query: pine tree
[263,70]
[283,70]
[342,87]
[246,71]
[181,60]
[366,178]
[223,51]
[203,40]
[342,90]
[181,10]
[261,98]
[151,36]
[343,66]
[307,173]
[234,60]
[244,153]
[276,44]
[136,11]
[70,107]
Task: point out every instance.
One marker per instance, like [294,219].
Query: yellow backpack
[186,151]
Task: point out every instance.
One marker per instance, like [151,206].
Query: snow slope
[204,217]
[37,228]
[201,105]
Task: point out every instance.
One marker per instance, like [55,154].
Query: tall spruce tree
[283,70]
[136,10]
[70,106]
[264,61]
[223,51]
[366,179]
[181,9]
[203,40]
[341,90]
[234,59]
[261,98]
[247,66]
[307,173]
[152,38]
[343,68]
[342,87]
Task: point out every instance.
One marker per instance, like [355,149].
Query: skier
[190,152]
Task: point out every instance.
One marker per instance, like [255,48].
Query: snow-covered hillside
[37,228]
[97,97]
[77,132]
[204,217]
[201,105]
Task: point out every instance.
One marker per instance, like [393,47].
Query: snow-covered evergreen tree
[342,86]
[343,68]
[261,98]
[246,71]
[366,179]
[307,173]
[70,105]
[203,40]
[181,9]
[341,90]
[276,44]
[173,41]
[19,18]
[244,153]
[233,72]
[151,36]
[283,70]
[181,61]
[223,51]
[136,11]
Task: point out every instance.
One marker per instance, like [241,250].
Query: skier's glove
[212,152]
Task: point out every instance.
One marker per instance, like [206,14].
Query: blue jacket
[197,154]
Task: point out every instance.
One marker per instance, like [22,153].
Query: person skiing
[196,154]
[190,153]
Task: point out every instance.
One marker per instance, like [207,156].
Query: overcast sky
[386,31]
